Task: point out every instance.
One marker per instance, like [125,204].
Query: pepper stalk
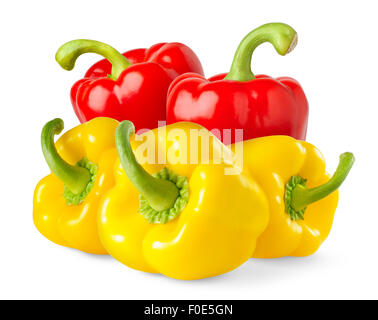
[283,37]
[68,53]
[78,179]
[298,196]
[163,195]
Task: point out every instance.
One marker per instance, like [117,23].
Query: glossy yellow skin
[215,233]
[272,161]
[75,226]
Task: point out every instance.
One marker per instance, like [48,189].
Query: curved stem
[74,178]
[302,197]
[281,36]
[68,53]
[160,194]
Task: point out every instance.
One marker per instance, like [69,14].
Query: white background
[336,63]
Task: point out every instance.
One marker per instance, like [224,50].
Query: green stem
[68,53]
[74,178]
[161,194]
[302,197]
[281,36]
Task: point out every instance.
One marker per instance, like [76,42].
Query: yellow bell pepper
[65,203]
[187,220]
[302,197]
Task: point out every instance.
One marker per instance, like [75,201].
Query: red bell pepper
[132,86]
[259,105]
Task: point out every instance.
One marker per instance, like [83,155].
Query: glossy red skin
[140,92]
[261,107]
